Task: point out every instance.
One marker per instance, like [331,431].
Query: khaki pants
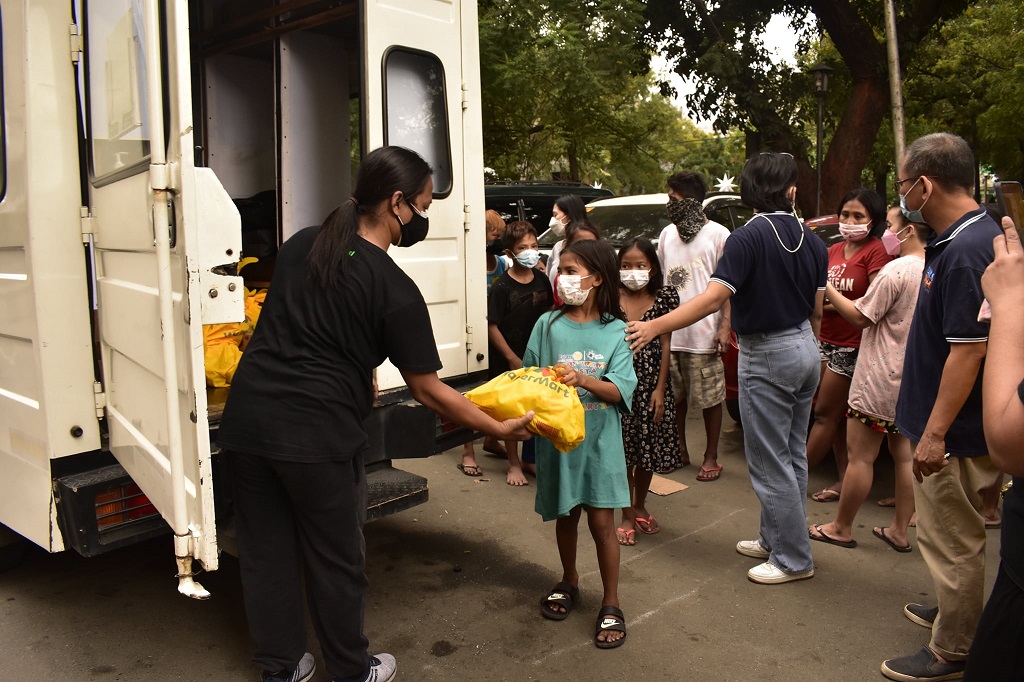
[951,536]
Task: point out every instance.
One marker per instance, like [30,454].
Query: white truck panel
[45,349]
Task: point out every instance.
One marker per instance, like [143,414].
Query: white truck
[131,130]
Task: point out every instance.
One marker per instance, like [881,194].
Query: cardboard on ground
[665,486]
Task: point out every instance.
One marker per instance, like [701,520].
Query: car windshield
[619,224]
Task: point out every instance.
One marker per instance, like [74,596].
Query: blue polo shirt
[947,313]
[774,266]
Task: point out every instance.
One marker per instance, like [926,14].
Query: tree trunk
[574,162]
[851,145]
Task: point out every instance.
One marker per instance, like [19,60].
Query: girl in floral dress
[649,429]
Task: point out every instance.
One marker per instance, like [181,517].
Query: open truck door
[161,228]
[414,100]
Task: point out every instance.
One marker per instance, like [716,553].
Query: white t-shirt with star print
[688,267]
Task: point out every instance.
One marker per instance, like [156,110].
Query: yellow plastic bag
[558,413]
[224,342]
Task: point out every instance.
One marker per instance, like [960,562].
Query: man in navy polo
[939,407]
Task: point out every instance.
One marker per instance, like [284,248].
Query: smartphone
[1011,201]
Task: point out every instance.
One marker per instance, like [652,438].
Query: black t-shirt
[1011,538]
[304,385]
[515,307]
[774,266]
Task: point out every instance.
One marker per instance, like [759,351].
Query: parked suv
[533,200]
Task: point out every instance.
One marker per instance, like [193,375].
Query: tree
[567,93]
[970,79]
[740,85]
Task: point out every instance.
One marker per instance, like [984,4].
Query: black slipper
[565,595]
[880,534]
[470,469]
[610,619]
[821,537]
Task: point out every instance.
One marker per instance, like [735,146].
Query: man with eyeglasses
[940,411]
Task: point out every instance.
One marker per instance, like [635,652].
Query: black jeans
[290,515]
[997,653]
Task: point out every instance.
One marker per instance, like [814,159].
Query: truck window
[116,97]
[415,110]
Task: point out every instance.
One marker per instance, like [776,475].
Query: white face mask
[556,226]
[528,258]
[634,280]
[854,233]
[569,289]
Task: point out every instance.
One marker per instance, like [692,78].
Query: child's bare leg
[469,458]
[515,467]
[602,528]
[566,537]
[641,484]
[903,456]
[626,532]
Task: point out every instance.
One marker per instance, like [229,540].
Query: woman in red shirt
[852,265]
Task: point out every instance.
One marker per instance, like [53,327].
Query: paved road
[454,590]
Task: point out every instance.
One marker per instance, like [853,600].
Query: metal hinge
[76,43]
[469,337]
[467,222]
[465,96]
[100,399]
[87,227]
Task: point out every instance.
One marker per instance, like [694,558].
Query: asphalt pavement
[455,585]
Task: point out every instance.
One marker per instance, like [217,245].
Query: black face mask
[494,248]
[414,231]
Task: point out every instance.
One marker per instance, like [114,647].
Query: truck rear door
[155,258]
[415,81]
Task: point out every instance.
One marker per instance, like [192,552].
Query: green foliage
[970,80]
[567,93]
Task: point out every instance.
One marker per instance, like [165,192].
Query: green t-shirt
[594,473]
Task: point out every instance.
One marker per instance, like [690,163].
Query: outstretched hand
[639,334]
[515,428]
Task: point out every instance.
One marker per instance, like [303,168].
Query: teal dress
[594,473]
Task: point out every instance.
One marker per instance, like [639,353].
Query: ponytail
[382,172]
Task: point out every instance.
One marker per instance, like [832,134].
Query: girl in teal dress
[585,341]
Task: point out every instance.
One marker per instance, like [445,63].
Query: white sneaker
[769,574]
[752,548]
[383,668]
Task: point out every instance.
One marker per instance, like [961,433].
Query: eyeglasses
[898,183]
[417,211]
[780,153]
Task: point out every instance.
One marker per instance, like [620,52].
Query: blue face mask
[913,216]
[528,258]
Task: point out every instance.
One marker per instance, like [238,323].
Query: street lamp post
[820,72]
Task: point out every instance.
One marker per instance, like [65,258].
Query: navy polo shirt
[774,266]
[947,313]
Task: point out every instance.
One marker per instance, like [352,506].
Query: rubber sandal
[610,619]
[821,537]
[826,495]
[469,468]
[645,525]
[564,594]
[630,535]
[881,535]
[711,474]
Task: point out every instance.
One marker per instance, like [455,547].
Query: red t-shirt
[850,277]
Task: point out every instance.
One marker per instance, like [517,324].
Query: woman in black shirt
[338,306]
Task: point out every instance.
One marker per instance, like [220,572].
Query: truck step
[391,490]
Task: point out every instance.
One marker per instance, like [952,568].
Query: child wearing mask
[496,267]
[585,341]
[516,301]
[649,430]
